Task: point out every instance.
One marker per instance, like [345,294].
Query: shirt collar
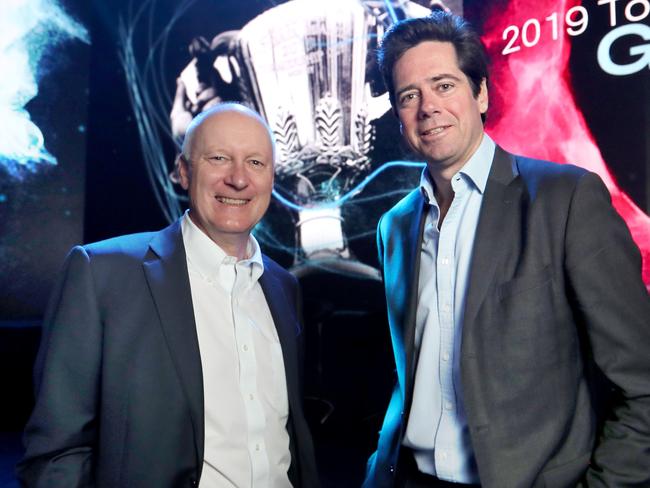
[207,256]
[475,170]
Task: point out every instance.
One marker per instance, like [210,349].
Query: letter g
[643,50]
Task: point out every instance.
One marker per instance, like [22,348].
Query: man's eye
[408,97]
[445,86]
[216,158]
[256,162]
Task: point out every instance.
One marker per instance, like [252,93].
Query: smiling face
[439,116]
[227,169]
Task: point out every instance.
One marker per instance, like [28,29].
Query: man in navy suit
[172,358]
[511,284]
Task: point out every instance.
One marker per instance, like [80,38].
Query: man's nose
[237,176]
[429,105]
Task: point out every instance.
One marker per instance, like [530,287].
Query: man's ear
[483,99]
[183,171]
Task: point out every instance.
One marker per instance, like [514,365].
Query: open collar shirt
[245,392]
[437,429]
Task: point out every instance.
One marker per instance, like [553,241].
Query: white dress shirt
[244,383]
[437,428]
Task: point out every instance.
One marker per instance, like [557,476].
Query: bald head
[230,110]
[227,169]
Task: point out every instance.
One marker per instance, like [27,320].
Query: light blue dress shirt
[437,428]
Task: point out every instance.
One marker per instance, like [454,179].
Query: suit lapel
[414,232]
[166,272]
[496,221]
[288,328]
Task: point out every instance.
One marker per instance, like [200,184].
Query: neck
[444,193]
[442,183]
[236,247]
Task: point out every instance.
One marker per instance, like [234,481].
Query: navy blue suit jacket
[119,385]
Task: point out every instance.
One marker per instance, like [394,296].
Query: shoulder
[537,173]
[131,246]
[539,167]
[126,244]
[278,271]
[557,184]
[112,267]
[403,210]
[112,257]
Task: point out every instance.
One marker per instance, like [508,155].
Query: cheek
[264,201]
[264,184]
[201,195]
[207,184]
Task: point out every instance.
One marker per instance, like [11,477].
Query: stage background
[551,98]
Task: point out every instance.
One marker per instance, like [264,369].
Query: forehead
[426,59]
[231,130]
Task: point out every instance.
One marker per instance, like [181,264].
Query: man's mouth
[232,201]
[434,130]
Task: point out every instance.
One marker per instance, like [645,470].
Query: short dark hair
[440,26]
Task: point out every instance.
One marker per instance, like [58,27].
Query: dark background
[349,364]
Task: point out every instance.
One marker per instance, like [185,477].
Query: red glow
[540,118]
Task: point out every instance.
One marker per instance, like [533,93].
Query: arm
[371,464]
[611,304]
[61,434]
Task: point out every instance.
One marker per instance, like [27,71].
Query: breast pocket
[534,322]
[527,295]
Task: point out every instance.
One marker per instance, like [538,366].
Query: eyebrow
[220,150]
[434,79]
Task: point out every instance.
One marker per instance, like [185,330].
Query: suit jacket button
[391,468]
[193,482]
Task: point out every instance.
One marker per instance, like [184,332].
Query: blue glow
[391,10]
[354,191]
[150,97]
[28,30]
[144,57]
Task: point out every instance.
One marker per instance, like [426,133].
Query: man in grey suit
[511,284]
[172,358]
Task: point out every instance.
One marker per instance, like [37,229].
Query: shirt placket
[445,276]
[244,339]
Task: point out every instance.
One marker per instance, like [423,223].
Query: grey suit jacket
[555,287]
[119,386]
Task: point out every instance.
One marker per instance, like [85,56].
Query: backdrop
[95,98]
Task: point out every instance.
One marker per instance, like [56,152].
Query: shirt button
[245,348]
[449,405]
[251,397]
[443,455]
[445,261]
[257,447]
[445,356]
